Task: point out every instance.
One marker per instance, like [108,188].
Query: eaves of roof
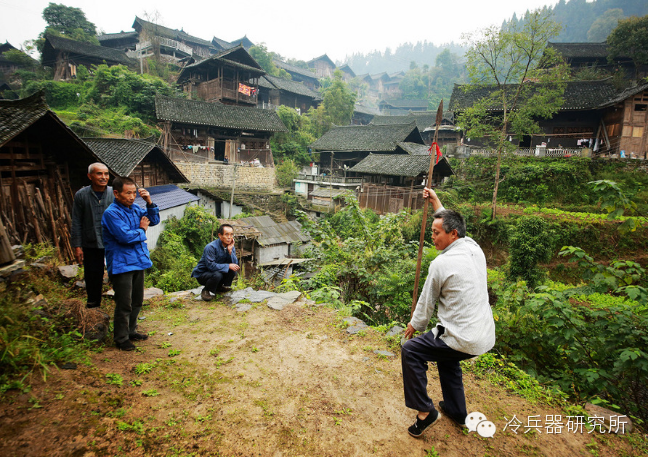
[374,138]
[289,86]
[297,70]
[399,165]
[85,49]
[193,112]
[122,155]
[167,196]
[273,233]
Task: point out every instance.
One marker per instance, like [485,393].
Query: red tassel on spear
[437,155]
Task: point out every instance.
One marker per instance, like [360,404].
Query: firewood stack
[37,211]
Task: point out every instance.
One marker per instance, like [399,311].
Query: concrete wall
[153,233]
[220,175]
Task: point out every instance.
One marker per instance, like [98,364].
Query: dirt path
[214,381]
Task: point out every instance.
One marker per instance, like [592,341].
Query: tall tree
[266,58]
[69,22]
[602,26]
[338,100]
[630,39]
[523,79]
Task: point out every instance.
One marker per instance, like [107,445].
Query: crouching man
[218,264]
[465,327]
[127,256]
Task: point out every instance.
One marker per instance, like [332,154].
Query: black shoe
[93,305]
[138,337]
[223,289]
[457,420]
[126,346]
[420,426]
[206,295]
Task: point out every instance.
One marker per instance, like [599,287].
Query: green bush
[530,242]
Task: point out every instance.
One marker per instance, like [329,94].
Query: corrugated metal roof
[167,196]
[273,233]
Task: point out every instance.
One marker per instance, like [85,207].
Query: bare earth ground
[259,383]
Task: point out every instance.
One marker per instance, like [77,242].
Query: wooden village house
[596,118]
[65,56]
[230,77]
[274,91]
[214,131]
[393,182]
[323,66]
[298,74]
[42,164]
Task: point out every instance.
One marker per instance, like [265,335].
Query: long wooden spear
[433,160]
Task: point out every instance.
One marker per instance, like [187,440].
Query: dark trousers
[93,270]
[415,355]
[129,295]
[212,279]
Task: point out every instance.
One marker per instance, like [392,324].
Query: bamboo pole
[433,159]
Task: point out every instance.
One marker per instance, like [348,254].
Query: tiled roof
[233,57]
[293,69]
[116,36]
[167,196]
[405,103]
[327,192]
[399,165]
[83,49]
[288,85]
[579,95]
[423,120]
[195,112]
[17,115]
[323,57]
[580,50]
[361,109]
[123,155]
[222,43]
[415,148]
[162,31]
[273,233]
[347,69]
[374,138]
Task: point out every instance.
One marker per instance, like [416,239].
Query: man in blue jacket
[127,256]
[218,264]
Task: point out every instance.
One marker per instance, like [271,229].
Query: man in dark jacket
[87,210]
[218,264]
[127,256]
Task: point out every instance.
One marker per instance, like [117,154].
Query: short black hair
[119,183]
[452,220]
[221,229]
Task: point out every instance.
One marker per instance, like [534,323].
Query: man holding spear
[457,280]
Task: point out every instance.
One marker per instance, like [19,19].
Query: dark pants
[212,279]
[129,295]
[93,270]
[415,355]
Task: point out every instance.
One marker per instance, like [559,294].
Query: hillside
[217,380]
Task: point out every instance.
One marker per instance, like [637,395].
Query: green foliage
[615,203]
[338,101]
[32,339]
[602,26]
[293,144]
[504,60]
[630,39]
[286,171]
[266,59]
[530,242]
[69,22]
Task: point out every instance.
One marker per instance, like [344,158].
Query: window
[640,107]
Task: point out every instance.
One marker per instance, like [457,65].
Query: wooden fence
[390,199]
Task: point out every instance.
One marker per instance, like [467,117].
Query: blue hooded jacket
[124,240]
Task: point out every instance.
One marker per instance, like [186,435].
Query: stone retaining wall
[220,175]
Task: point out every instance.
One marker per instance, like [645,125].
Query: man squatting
[127,256]
[89,205]
[457,279]
[218,265]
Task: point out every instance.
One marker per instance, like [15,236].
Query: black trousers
[415,355]
[129,296]
[93,270]
[212,279]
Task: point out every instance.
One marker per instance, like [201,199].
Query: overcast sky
[294,29]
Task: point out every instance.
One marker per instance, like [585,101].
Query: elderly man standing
[465,327]
[127,256]
[218,264]
[87,210]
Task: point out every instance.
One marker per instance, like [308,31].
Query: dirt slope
[259,383]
